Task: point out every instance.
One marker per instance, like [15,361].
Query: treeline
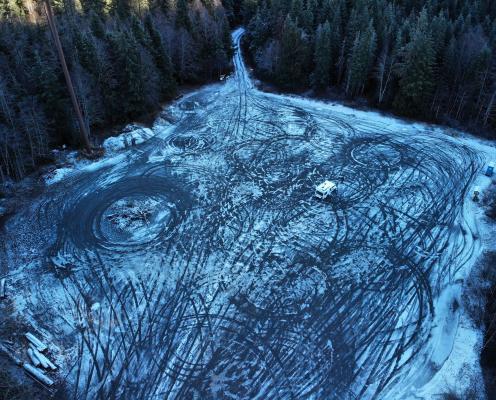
[125,58]
[432,59]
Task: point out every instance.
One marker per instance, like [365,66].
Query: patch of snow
[453,351]
[57,175]
[79,166]
[129,138]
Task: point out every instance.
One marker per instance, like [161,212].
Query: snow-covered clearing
[197,264]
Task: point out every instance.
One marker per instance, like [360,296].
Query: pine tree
[122,8]
[97,6]
[417,74]
[163,5]
[128,73]
[86,51]
[360,61]
[387,65]
[248,10]
[138,31]
[162,59]
[230,13]
[182,15]
[47,80]
[259,29]
[326,11]
[293,60]
[322,57]
[5,9]
[307,18]
[337,36]
[97,26]
[296,10]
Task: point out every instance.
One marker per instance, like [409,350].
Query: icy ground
[197,265]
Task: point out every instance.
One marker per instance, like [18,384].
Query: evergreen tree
[163,5]
[138,31]
[162,59]
[182,15]
[296,9]
[46,78]
[248,10]
[97,26]
[307,18]
[360,61]
[5,9]
[336,40]
[326,11]
[86,51]
[417,75]
[322,57]
[128,73]
[97,6]
[259,29]
[121,8]
[290,70]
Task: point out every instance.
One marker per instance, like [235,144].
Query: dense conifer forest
[431,60]
[125,58]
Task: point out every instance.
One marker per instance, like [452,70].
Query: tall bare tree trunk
[70,87]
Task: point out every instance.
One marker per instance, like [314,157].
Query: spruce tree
[138,31]
[182,15]
[97,26]
[97,6]
[259,30]
[290,70]
[5,9]
[360,61]
[296,9]
[121,8]
[307,18]
[129,73]
[326,11]
[248,10]
[46,78]
[86,51]
[417,72]
[164,5]
[162,59]
[322,57]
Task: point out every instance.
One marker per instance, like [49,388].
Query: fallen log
[33,358]
[38,374]
[38,344]
[45,362]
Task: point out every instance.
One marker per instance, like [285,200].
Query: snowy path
[200,266]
